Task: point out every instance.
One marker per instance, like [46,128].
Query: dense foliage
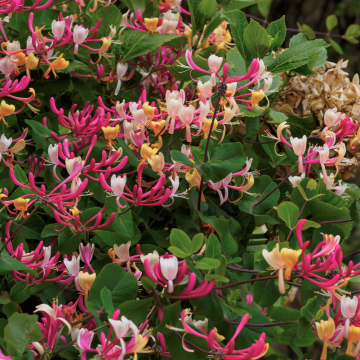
[172,180]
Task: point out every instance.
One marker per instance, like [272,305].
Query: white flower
[122,251]
[117,184]
[53,152]
[73,265]
[121,327]
[152,257]
[169,268]
[205,88]
[332,117]
[7,67]
[121,70]
[186,114]
[214,63]
[299,145]
[4,144]
[80,34]
[296,180]
[58,28]
[138,114]
[70,164]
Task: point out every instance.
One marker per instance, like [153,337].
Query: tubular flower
[325,331]
[6,110]
[85,282]
[22,206]
[353,336]
[58,64]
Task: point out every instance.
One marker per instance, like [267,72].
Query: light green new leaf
[256,40]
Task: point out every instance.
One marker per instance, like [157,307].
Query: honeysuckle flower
[193,178]
[122,251]
[186,115]
[352,336]
[205,88]
[256,97]
[214,63]
[21,205]
[85,282]
[7,67]
[121,70]
[349,307]
[169,268]
[296,180]
[279,260]
[58,28]
[79,35]
[332,117]
[325,331]
[110,132]
[152,257]
[299,147]
[58,64]
[6,110]
[86,254]
[151,24]
[157,162]
[4,144]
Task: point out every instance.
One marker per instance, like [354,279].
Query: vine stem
[245,282]
[157,135]
[273,190]
[284,83]
[261,325]
[193,345]
[19,227]
[206,159]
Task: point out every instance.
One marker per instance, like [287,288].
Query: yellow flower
[139,346]
[58,64]
[6,110]
[157,162]
[354,335]
[193,178]
[218,338]
[75,211]
[39,34]
[85,282]
[256,97]
[111,132]
[21,205]
[325,330]
[31,62]
[151,24]
[146,151]
[156,126]
[289,257]
[206,127]
[149,110]
[104,48]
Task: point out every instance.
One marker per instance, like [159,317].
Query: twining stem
[284,83]
[19,227]
[157,135]
[193,345]
[273,190]
[246,281]
[206,158]
[261,325]
[354,253]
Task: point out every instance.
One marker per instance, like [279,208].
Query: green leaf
[301,126]
[277,29]
[24,328]
[40,133]
[207,264]
[213,248]
[8,264]
[106,299]
[331,22]
[178,252]
[336,46]
[256,40]
[353,30]
[69,241]
[201,11]
[110,15]
[238,23]
[308,313]
[309,32]
[180,240]
[295,57]
[264,7]
[196,243]
[136,310]
[227,229]
[147,283]
[136,43]
[297,39]
[355,213]
[265,292]
[122,285]
[219,278]
[288,212]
